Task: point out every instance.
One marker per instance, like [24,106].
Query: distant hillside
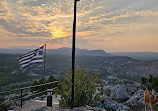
[138,55]
[120,66]
[61,51]
[84,52]
[13,51]
[79,52]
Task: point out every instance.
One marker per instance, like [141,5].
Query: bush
[151,82]
[4,107]
[84,89]
[41,88]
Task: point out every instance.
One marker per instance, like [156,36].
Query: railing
[21,98]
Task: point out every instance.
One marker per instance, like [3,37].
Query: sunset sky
[111,25]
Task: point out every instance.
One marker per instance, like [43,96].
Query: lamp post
[73,52]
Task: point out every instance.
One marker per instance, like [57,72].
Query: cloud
[97,20]
[40,18]
[114,18]
[32,20]
[5,10]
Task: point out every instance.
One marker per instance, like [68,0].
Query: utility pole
[73,52]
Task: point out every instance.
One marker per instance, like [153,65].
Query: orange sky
[111,25]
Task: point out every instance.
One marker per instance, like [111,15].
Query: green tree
[85,88]
[151,82]
[3,107]
[34,84]
[41,88]
[51,79]
[155,83]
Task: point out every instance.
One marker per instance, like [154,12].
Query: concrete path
[36,104]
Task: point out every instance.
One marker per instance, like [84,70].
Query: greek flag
[35,56]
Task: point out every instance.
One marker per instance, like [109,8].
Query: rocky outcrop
[107,89]
[110,105]
[119,93]
[87,108]
[136,101]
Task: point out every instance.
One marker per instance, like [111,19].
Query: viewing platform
[34,105]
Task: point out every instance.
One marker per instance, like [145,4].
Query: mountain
[61,51]
[13,51]
[97,61]
[84,52]
[138,55]
[23,47]
[79,52]
[122,67]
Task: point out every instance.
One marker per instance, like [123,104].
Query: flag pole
[44,68]
[73,53]
[44,63]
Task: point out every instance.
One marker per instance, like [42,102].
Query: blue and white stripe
[35,56]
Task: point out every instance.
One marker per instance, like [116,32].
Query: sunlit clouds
[112,25]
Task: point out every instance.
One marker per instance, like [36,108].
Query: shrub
[84,88]
[151,82]
[41,88]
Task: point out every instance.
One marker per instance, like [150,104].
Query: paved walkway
[36,104]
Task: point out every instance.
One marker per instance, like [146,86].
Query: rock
[87,108]
[107,89]
[96,103]
[131,89]
[136,101]
[110,105]
[40,109]
[63,110]
[119,93]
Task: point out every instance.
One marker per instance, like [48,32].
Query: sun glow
[58,32]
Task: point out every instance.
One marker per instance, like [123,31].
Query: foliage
[41,81]
[3,107]
[156,109]
[84,88]
[151,82]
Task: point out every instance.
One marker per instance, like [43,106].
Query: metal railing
[20,96]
